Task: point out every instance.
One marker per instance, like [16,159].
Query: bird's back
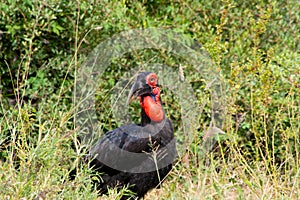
[133,155]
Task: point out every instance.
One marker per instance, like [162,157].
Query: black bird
[137,156]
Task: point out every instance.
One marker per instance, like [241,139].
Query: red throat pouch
[152,109]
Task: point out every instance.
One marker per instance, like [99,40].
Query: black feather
[115,148]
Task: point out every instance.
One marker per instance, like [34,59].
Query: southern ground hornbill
[137,156]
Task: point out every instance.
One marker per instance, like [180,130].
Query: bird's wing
[134,147]
[122,148]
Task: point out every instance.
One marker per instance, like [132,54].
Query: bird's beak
[138,88]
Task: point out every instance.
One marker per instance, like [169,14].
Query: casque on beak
[139,88]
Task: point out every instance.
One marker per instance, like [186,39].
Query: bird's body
[137,156]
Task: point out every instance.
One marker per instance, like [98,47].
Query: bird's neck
[152,110]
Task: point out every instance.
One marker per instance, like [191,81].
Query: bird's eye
[151,79]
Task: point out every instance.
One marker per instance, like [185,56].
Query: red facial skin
[153,109]
[151,80]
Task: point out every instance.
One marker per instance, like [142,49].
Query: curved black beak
[139,88]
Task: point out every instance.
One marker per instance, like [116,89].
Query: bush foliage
[255,45]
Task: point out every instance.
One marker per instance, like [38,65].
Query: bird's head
[147,89]
[144,84]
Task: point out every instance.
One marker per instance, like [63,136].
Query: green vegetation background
[255,44]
